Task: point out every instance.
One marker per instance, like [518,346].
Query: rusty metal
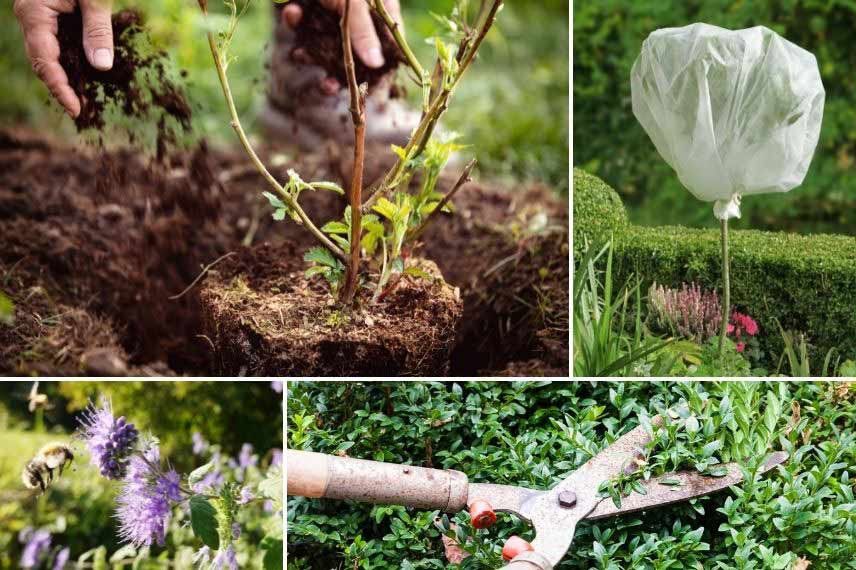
[567,499]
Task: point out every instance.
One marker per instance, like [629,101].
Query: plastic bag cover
[734,112]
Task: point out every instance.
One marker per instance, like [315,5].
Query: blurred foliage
[229,413]
[512,108]
[536,433]
[78,508]
[608,36]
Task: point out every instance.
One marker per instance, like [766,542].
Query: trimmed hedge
[597,208]
[807,283]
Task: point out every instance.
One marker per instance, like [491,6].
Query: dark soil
[94,243]
[138,85]
[264,318]
[318,40]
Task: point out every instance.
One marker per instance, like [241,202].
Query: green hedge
[597,208]
[807,283]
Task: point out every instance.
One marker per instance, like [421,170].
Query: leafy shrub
[608,36]
[803,282]
[536,433]
[597,209]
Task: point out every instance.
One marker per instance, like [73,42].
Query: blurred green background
[512,107]
[610,143]
[78,508]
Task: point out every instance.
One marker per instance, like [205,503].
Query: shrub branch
[355,195]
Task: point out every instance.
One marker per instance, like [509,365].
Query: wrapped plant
[733,112]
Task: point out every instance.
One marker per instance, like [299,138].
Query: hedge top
[597,208]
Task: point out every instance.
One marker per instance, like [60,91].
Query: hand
[364,37]
[38,21]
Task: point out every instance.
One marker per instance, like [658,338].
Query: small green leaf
[419,273]
[279,215]
[273,548]
[331,186]
[198,474]
[335,228]
[274,200]
[385,208]
[320,255]
[203,521]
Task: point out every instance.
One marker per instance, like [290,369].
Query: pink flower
[751,326]
[741,346]
[730,328]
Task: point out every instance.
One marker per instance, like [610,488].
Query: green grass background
[512,107]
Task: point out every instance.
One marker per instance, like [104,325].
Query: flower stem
[726,288]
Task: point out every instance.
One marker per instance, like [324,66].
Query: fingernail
[374,57]
[102,59]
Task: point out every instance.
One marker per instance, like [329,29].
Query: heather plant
[216,508]
[382,228]
[690,312]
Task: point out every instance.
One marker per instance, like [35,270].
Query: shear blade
[672,488]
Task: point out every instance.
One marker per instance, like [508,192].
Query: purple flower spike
[276,457]
[199,443]
[37,544]
[145,501]
[61,559]
[246,496]
[225,559]
[110,441]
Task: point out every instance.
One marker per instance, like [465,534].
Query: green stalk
[726,288]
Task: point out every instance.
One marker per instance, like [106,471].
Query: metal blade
[688,485]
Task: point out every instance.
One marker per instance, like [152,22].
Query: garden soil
[95,245]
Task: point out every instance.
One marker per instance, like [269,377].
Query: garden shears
[554,514]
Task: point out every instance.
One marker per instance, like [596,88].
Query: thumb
[97,33]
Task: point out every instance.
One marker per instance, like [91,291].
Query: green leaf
[335,228]
[320,255]
[127,551]
[279,215]
[274,200]
[7,310]
[271,487]
[198,474]
[203,521]
[331,186]
[273,548]
[419,273]
[386,209]
[99,561]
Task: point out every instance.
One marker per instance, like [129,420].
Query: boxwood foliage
[597,208]
[537,433]
[807,283]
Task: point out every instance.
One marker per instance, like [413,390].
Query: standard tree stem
[355,195]
[239,130]
[726,288]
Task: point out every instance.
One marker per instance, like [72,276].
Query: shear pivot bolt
[515,546]
[567,499]
[481,514]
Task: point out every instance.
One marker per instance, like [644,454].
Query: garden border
[806,282]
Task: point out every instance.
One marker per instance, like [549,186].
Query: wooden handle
[318,475]
[308,473]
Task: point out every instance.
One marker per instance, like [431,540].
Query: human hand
[38,21]
[364,36]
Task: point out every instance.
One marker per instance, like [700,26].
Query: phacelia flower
[36,545]
[202,557]
[246,457]
[145,501]
[110,441]
[236,531]
[199,443]
[276,385]
[225,559]
[276,457]
[246,496]
[61,559]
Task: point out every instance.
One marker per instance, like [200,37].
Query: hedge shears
[554,514]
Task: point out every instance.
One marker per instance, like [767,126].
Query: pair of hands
[39,23]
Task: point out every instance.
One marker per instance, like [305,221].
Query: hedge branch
[239,130]
[355,195]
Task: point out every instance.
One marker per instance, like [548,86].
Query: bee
[39,471]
